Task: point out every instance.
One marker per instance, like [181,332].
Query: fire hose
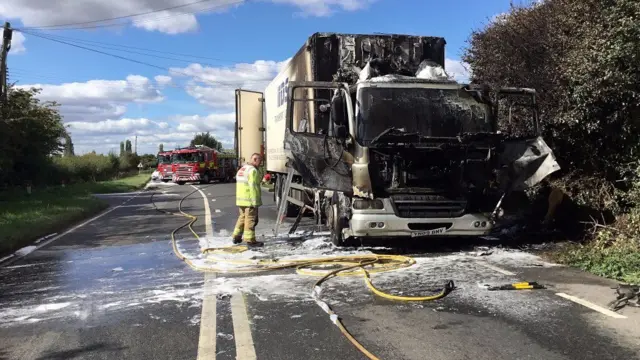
[352,265]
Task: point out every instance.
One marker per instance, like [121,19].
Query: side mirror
[338,110]
[341,132]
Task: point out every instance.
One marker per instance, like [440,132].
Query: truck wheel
[180,182]
[334,221]
[205,179]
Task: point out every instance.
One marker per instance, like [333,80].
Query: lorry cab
[164,165]
[408,156]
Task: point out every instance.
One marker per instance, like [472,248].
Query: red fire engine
[201,163]
[164,166]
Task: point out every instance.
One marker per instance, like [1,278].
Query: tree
[161,148]
[583,58]
[68,145]
[206,139]
[122,149]
[31,132]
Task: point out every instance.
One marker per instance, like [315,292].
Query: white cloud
[178,130]
[458,70]
[214,86]
[180,19]
[163,80]
[96,100]
[17,43]
[325,7]
[168,23]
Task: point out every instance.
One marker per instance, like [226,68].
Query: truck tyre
[292,210]
[205,179]
[335,223]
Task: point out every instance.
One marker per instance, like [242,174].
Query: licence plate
[437,231]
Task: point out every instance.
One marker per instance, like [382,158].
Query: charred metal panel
[404,53]
[322,161]
[527,162]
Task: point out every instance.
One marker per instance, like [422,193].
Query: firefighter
[248,199]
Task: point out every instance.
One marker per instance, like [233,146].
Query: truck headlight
[364,204]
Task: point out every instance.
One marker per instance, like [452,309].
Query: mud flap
[526,163]
[319,159]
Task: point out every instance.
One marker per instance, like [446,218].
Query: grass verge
[24,218]
[614,252]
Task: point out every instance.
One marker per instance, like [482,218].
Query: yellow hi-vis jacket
[248,192]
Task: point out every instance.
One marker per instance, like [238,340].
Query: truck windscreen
[426,111]
[187,157]
[164,159]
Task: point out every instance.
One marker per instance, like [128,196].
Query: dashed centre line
[495,268]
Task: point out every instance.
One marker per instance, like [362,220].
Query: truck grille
[427,206]
[184,171]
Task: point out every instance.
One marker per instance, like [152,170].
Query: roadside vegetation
[25,217]
[37,153]
[583,58]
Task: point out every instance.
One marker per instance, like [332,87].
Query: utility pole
[6,45]
[135,146]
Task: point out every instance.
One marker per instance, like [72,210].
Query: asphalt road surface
[113,288]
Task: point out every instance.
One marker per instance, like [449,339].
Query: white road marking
[80,225]
[495,268]
[207,214]
[245,349]
[207,340]
[212,199]
[592,306]
[218,210]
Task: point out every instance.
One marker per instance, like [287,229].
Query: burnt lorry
[372,135]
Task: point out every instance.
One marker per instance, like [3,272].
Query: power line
[137,61]
[132,47]
[117,17]
[126,50]
[79,26]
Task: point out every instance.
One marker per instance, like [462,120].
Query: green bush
[90,167]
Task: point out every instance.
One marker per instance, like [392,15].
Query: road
[114,289]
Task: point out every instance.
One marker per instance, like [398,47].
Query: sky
[163,70]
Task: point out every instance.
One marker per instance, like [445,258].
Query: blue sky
[106,100]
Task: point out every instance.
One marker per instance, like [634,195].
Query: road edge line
[591,306]
[207,213]
[245,348]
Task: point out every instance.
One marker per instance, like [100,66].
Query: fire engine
[202,164]
[164,166]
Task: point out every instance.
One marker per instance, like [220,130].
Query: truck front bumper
[190,177]
[385,223]
[166,175]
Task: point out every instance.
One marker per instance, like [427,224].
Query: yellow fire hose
[353,265]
